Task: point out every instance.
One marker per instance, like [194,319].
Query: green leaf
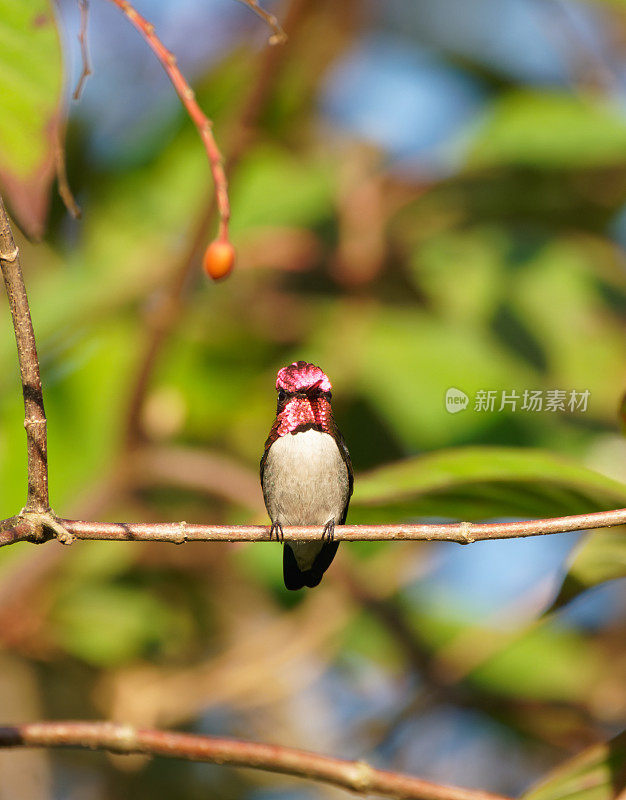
[550,129]
[31,80]
[365,636]
[600,557]
[622,414]
[538,666]
[561,268]
[106,625]
[540,662]
[274,188]
[421,357]
[482,482]
[598,773]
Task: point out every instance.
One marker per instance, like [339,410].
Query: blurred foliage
[574,132]
[501,270]
[593,775]
[599,558]
[30,85]
[482,483]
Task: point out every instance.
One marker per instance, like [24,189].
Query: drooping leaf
[598,773]
[600,557]
[30,86]
[482,482]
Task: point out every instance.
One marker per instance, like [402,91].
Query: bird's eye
[281,395]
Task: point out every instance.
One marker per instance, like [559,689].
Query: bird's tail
[296,578]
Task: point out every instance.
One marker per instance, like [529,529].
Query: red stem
[188,98]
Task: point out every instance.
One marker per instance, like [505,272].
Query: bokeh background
[425,195]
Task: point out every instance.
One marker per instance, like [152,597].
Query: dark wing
[263,460]
[346,459]
[273,435]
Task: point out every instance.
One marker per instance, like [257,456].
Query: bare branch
[278,34]
[13,530]
[84,52]
[35,418]
[188,98]
[356,776]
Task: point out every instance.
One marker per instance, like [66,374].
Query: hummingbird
[306,473]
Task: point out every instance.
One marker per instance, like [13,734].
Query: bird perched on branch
[306,472]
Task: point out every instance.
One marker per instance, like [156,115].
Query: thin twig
[168,311]
[356,776]
[278,34]
[84,52]
[12,530]
[35,418]
[188,98]
[63,183]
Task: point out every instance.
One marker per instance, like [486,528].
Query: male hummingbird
[306,472]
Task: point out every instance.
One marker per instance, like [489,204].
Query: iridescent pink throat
[304,411]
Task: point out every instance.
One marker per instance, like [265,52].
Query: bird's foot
[277,530]
[328,533]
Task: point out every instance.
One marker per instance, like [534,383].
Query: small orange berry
[219,259]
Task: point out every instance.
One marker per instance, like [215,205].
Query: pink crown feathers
[300,377]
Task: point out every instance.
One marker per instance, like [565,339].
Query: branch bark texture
[35,418]
[356,776]
[38,528]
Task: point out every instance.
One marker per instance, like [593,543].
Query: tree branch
[35,418]
[188,99]
[278,34]
[356,776]
[21,527]
[84,52]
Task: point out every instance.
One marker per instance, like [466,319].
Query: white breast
[305,481]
